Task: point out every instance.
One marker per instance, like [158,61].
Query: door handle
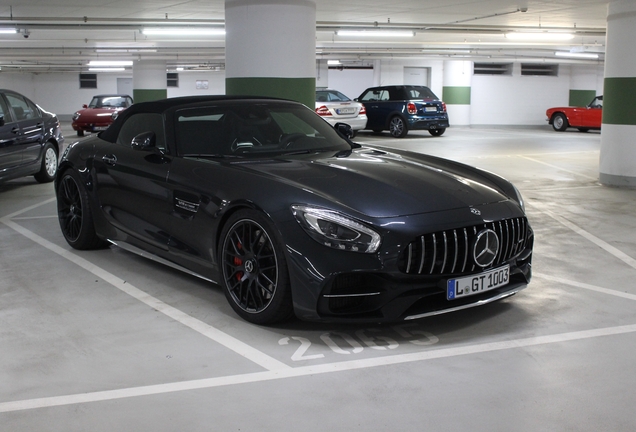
[109,159]
[15,130]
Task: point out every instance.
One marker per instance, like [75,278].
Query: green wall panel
[146,95]
[619,101]
[581,97]
[456,95]
[302,90]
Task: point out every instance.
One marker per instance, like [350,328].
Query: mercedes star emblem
[486,247]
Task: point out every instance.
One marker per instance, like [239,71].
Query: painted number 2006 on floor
[476,284]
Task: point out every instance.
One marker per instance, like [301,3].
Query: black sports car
[289,216]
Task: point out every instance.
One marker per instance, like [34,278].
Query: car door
[10,153]
[594,114]
[31,123]
[131,182]
[376,102]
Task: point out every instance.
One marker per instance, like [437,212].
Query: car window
[140,123]
[21,108]
[375,95]
[252,130]
[420,93]
[597,102]
[4,111]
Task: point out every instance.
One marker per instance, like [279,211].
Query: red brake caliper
[237,262]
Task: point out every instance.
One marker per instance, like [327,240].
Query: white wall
[495,99]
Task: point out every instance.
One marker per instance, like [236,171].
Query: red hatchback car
[582,118]
[100,113]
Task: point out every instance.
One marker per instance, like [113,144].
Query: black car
[400,108]
[30,139]
[271,202]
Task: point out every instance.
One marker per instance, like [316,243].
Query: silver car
[335,107]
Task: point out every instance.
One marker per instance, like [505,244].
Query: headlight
[332,229]
[76,116]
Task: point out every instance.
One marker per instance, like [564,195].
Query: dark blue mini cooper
[403,108]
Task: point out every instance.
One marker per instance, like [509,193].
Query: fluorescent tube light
[333,62]
[376,33]
[544,36]
[108,63]
[163,31]
[576,55]
[8,31]
[106,69]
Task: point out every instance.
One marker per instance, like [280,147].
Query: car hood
[382,184]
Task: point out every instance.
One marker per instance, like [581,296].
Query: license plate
[475,284]
[99,128]
[345,110]
[431,109]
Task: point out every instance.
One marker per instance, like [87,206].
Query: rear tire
[74,213]
[48,170]
[437,132]
[254,270]
[559,122]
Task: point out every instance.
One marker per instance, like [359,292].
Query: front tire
[80,132]
[398,127]
[437,132]
[74,213]
[48,170]
[559,122]
[254,269]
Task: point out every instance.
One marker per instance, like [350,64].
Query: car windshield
[330,96]
[254,130]
[420,93]
[108,102]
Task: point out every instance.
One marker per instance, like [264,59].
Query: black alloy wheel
[398,127]
[254,269]
[74,213]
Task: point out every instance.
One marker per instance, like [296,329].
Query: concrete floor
[105,340]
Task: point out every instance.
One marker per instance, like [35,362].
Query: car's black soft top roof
[163,105]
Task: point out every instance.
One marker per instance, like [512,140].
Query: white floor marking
[560,168]
[585,286]
[206,330]
[304,371]
[580,231]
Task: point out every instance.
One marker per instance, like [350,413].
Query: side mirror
[84,106]
[144,141]
[344,129]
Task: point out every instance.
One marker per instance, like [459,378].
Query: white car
[335,107]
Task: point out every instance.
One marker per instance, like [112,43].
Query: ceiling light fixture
[376,33]
[165,31]
[110,63]
[106,69]
[8,31]
[544,36]
[333,62]
[576,55]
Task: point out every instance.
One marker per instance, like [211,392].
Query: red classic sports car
[582,118]
[100,113]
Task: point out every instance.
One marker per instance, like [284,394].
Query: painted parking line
[304,371]
[558,168]
[204,329]
[575,284]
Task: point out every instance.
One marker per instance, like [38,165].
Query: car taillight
[363,110]
[323,111]
[443,107]
[411,108]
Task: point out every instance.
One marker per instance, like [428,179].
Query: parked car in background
[289,217]
[400,108]
[335,107]
[99,114]
[30,139]
[582,118]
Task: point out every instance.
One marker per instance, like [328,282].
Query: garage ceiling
[64,35]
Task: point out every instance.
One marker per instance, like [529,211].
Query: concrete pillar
[456,91]
[377,73]
[322,73]
[618,147]
[149,80]
[270,49]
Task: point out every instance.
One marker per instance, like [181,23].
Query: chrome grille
[450,252]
